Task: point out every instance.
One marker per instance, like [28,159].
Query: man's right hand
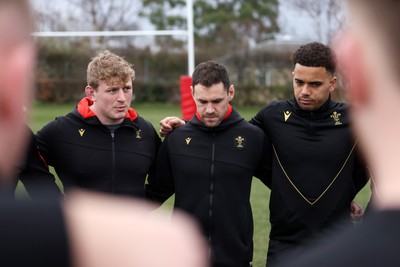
[168,124]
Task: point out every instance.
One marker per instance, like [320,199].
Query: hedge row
[63,91]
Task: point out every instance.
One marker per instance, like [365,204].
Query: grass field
[44,113]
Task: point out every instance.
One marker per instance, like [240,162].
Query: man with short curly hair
[369,58]
[316,169]
[315,55]
[103,145]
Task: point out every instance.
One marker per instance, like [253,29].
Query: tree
[221,26]
[328,15]
[89,15]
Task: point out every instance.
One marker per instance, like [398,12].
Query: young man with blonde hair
[103,145]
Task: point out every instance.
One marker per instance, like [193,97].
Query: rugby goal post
[187,104]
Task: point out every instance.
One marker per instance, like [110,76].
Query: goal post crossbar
[189,33]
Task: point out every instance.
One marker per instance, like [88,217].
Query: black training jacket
[316,170]
[85,154]
[34,233]
[210,171]
[33,173]
[370,244]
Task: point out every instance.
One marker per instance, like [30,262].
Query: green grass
[44,113]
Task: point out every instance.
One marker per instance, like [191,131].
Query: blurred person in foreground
[369,58]
[33,173]
[87,230]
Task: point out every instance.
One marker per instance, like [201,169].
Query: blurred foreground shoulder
[111,231]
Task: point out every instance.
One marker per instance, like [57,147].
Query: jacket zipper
[113,162]
[210,212]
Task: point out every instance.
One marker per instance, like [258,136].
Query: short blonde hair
[110,68]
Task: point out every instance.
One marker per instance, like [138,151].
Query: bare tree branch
[328,15]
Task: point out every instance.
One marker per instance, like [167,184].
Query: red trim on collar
[83,108]
[227,114]
[131,114]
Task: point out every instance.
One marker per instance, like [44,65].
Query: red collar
[227,114]
[83,108]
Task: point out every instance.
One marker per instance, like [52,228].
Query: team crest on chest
[138,134]
[336,117]
[240,142]
[81,132]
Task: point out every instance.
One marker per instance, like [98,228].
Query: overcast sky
[291,21]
